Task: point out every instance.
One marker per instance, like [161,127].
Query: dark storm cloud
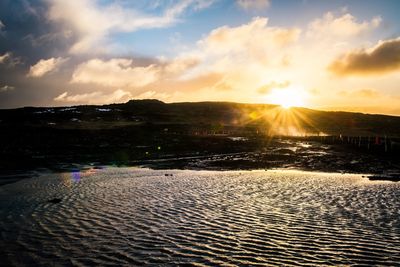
[383,58]
[27,33]
[26,37]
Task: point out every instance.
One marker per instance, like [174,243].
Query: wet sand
[291,154]
[133,216]
[285,153]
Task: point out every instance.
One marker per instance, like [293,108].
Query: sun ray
[293,96]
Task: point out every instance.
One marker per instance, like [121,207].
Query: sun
[287,97]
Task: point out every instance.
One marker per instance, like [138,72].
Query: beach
[136,216]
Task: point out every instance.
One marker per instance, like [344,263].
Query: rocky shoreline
[282,153]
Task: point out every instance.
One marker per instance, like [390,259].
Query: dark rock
[384,177]
[54,200]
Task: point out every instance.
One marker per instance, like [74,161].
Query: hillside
[213,116]
[196,135]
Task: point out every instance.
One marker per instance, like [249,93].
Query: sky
[329,55]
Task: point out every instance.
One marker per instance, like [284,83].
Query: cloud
[202,4]
[4,57]
[194,84]
[2,26]
[235,62]
[93,23]
[253,4]
[265,89]
[9,60]
[256,45]
[6,88]
[179,65]
[117,72]
[368,93]
[121,72]
[255,36]
[25,24]
[382,58]
[96,97]
[44,66]
[343,26]
[363,93]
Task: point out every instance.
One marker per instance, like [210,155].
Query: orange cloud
[383,58]
[364,93]
[208,80]
[272,85]
[368,93]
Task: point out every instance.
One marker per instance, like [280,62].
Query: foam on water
[129,216]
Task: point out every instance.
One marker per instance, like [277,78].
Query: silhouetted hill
[270,119]
[200,135]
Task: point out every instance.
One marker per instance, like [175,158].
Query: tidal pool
[133,216]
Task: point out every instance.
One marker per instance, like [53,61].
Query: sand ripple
[141,217]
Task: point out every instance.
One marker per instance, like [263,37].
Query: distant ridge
[202,114]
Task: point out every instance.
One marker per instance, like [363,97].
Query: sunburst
[287,97]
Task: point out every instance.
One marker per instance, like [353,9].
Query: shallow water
[130,216]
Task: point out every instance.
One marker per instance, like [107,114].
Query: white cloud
[44,66]
[96,97]
[256,45]
[202,4]
[4,57]
[343,26]
[117,72]
[178,66]
[2,26]
[253,37]
[6,88]
[93,22]
[253,4]
[121,72]
[9,60]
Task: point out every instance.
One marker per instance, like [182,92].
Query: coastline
[284,153]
